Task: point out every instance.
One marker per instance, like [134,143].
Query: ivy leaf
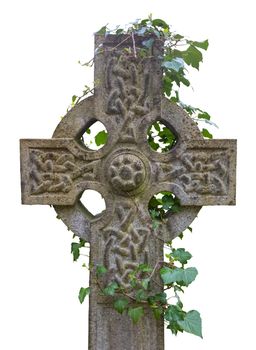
[168,202]
[136,313]
[160,23]
[192,56]
[120,305]
[206,133]
[74,97]
[144,283]
[83,293]
[174,314]
[181,255]
[192,323]
[182,276]
[167,85]
[153,145]
[171,275]
[110,289]
[201,44]
[204,115]
[181,235]
[157,311]
[140,295]
[102,30]
[161,297]
[101,270]
[188,276]
[144,268]
[178,37]
[101,138]
[156,126]
[175,64]
[176,208]
[75,250]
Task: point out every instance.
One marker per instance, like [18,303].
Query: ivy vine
[172,274]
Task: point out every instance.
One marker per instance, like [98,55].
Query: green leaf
[175,64]
[161,297]
[88,131]
[120,305]
[83,293]
[174,313]
[178,37]
[204,115]
[101,138]
[168,202]
[181,255]
[140,295]
[110,289]
[206,134]
[144,268]
[156,126]
[136,313]
[102,30]
[75,250]
[101,270]
[189,275]
[182,276]
[201,44]
[181,235]
[145,282]
[157,311]
[74,97]
[171,275]
[160,23]
[192,323]
[192,56]
[176,208]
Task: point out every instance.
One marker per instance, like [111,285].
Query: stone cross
[127,172]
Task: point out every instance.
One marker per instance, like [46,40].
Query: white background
[41,42]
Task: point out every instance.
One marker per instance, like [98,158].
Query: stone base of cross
[127,173]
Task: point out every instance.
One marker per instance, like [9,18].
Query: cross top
[127,172]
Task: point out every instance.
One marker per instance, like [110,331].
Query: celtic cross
[127,172]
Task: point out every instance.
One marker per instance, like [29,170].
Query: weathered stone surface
[127,172]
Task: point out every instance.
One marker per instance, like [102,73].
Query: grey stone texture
[127,172]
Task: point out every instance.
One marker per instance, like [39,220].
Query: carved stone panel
[54,171]
[203,173]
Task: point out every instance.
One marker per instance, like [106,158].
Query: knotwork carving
[199,171]
[125,242]
[56,171]
[127,81]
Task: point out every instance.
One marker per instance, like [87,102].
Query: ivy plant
[180,54]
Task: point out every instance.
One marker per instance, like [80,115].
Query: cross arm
[54,171]
[201,172]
